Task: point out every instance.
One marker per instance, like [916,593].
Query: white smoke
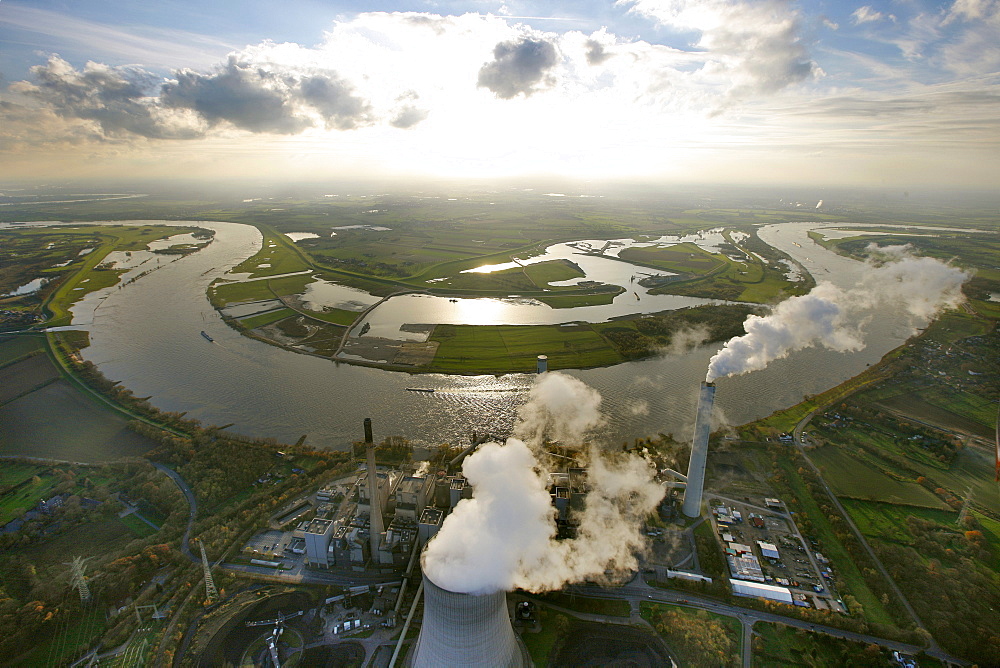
[505,536]
[560,408]
[686,339]
[639,407]
[836,318]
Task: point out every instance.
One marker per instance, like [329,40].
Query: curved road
[192,506]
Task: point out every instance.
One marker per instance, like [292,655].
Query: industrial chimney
[466,630]
[699,451]
[375,503]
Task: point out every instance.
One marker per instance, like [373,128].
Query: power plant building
[396,543]
[386,481]
[458,489]
[412,496]
[430,522]
[317,535]
[466,630]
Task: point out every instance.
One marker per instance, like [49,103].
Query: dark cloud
[248,96]
[259,98]
[408,116]
[517,67]
[596,53]
[332,98]
[117,98]
[272,99]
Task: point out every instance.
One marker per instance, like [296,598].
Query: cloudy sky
[894,93]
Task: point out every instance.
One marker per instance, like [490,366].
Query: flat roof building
[745,567]
[768,550]
[317,536]
[413,493]
[430,523]
[759,590]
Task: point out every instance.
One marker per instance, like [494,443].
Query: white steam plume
[836,318]
[505,536]
[560,408]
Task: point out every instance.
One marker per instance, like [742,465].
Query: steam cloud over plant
[835,318]
[504,537]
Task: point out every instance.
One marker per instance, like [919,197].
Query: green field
[262,319]
[224,294]
[553,626]
[954,409]
[955,326]
[72,637]
[760,279]
[58,421]
[573,301]
[25,376]
[278,255]
[25,490]
[686,258]
[138,528]
[849,475]
[544,273]
[514,348]
[888,521]
[13,473]
[591,606]
[16,347]
[336,316]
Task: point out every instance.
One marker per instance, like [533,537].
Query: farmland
[513,348]
[43,415]
[906,448]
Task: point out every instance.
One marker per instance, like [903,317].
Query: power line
[210,591]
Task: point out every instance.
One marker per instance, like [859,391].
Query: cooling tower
[466,630]
[375,502]
[699,451]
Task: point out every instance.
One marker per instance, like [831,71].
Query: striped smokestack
[699,451]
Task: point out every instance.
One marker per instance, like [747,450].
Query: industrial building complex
[363,534]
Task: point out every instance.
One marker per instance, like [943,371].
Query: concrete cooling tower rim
[466,630]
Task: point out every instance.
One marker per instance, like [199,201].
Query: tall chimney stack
[375,521]
[699,451]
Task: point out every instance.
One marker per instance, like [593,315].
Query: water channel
[146,335]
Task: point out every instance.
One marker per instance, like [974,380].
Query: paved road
[638,590]
[800,442]
[192,508]
[933,647]
[302,575]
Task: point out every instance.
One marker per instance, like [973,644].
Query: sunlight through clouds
[711,85]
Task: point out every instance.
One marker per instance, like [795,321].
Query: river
[146,335]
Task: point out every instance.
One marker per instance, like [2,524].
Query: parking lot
[760,534]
